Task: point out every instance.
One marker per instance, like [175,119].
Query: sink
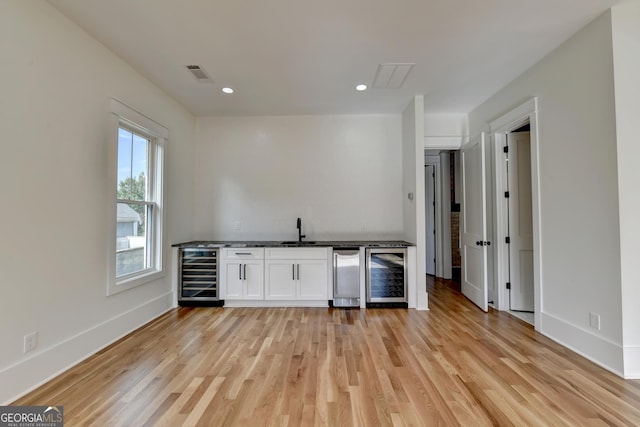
[296,243]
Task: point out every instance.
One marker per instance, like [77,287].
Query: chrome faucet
[299,227]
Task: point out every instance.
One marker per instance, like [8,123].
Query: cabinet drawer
[296,253]
[243,253]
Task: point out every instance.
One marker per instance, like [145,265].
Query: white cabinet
[243,273]
[296,274]
[281,280]
[312,279]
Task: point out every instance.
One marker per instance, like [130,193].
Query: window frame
[123,116]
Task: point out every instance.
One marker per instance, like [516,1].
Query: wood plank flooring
[452,365]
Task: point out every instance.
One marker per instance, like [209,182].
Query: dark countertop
[294,244]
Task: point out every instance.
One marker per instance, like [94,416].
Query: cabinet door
[233,280]
[254,280]
[312,279]
[280,283]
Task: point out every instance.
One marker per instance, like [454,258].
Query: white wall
[409,130]
[413,209]
[341,174]
[56,84]
[580,247]
[445,131]
[626,54]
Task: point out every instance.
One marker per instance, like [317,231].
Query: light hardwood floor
[453,365]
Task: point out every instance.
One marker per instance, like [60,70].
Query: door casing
[525,113]
[430,214]
[521,239]
[443,211]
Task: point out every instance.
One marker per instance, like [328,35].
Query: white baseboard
[424,302]
[415,288]
[604,353]
[26,375]
[276,303]
[632,362]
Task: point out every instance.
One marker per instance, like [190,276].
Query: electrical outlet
[594,320]
[30,342]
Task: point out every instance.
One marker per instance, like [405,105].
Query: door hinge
[508,285]
[507,240]
[506,194]
[505,149]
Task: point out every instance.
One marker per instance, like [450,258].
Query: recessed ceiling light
[361,87]
[227,90]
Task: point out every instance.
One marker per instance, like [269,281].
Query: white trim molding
[599,350]
[444,142]
[123,115]
[26,375]
[525,113]
[137,119]
[631,362]
[438,220]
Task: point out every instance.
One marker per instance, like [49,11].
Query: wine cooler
[198,275]
[386,276]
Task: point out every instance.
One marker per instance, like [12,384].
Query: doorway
[437,228]
[430,214]
[510,226]
[520,225]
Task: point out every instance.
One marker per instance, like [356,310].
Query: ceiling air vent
[199,73]
[392,76]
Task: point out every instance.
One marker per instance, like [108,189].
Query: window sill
[134,281]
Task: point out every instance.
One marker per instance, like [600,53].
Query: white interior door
[430,211]
[520,222]
[473,226]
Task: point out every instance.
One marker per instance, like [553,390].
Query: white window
[136,153]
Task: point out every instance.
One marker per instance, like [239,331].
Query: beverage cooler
[198,276]
[346,277]
[386,277]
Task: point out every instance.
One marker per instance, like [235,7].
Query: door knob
[478,243]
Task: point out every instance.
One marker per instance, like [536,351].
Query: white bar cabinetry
[243,273]
[296,274]
[275,277]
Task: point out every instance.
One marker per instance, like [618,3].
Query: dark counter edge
[303,244]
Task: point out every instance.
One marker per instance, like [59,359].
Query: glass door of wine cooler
[198,274]
[386,275]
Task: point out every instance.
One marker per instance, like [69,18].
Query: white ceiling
[306,56]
